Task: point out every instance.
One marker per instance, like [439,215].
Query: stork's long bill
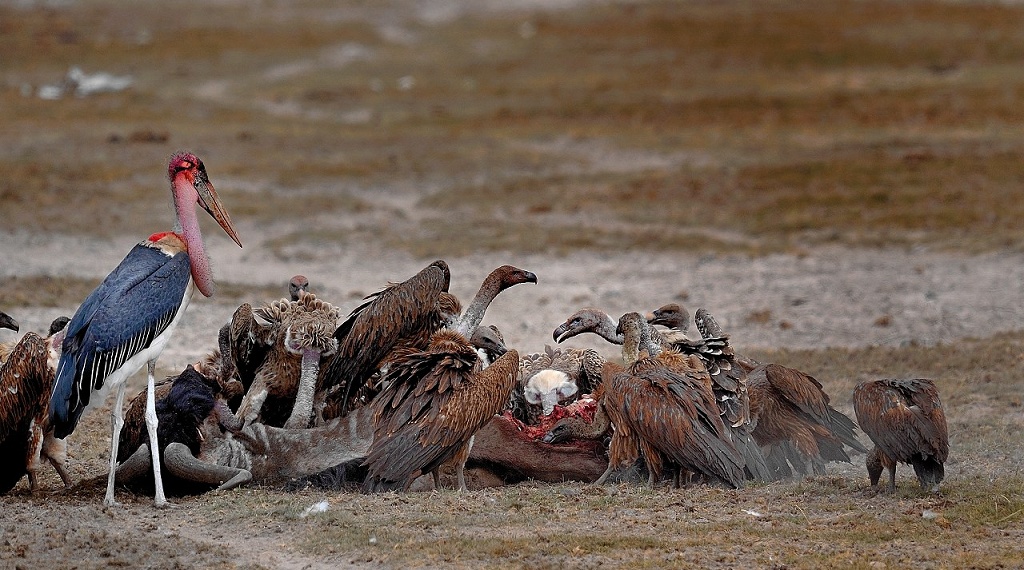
[191,186]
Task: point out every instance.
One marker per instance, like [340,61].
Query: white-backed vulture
[716,353]
[906,422]
[556,376]
[297,334]
[244,346]
[793,420]
[663,407]
[401,315]
[728,379]
[27,371]
[436,400]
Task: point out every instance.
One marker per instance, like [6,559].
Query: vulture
[905,421]
[27,373]
[715,352]
[793,420]
[297,285]
[556,376]
[435,399]
[489,344]
[401,315]
[663,407]
[296,336]
[8,322]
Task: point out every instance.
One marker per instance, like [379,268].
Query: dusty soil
[922,300]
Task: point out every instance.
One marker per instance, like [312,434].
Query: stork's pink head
[187,166]
[183,161]
[191,186]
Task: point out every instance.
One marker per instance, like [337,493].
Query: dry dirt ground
[837,182]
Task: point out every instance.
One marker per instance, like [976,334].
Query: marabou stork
[127,321]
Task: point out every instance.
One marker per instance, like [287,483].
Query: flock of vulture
[411,383]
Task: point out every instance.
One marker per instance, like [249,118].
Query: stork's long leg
[151,422]
[116,420]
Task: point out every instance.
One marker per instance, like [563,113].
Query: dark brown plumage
[184,403]
[795,422]
[401,315]
[27,374]
[715,353]
[718,355]
[664,406]
[906,422]
[435,401]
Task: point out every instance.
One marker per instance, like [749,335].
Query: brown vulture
[401,315]
[27,372]
[296,335]
[436,399]
[717,356]
[663,406]
[793,421]
[905,421]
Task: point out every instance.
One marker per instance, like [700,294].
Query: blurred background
[340,133]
